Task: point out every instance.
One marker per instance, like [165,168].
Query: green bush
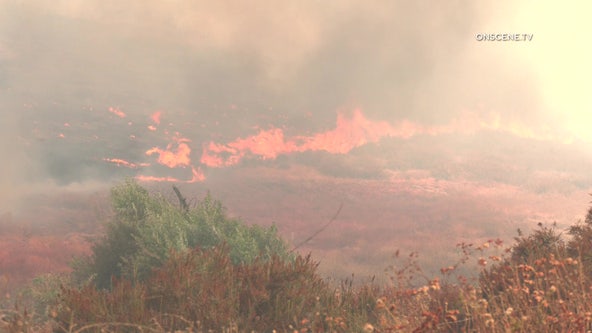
[145,227]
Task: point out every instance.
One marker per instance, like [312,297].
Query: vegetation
[163,268]
[145,228]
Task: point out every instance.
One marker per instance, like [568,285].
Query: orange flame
[156,117]
[121,162]
[197,176]
[349,133]
[176,154]
[173,158]
[267,144]
[117,112]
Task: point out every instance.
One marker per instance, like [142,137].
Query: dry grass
[541,283]
[523,288]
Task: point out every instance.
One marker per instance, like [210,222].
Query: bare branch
[182,200]
[320,230]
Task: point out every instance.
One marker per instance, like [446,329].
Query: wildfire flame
[173,157]
[121,162]
[197,176]
[267,144]
[156,117]
[117,112]
[349,133]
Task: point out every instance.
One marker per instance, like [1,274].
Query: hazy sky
[81,82]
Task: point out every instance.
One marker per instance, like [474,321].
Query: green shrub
[145,227]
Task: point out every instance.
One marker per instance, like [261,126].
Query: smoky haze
[353,95]
[221,69]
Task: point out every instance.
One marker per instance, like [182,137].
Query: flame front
[179,157]
[349,133]
[267,144]
[117,112]
[156,117]
[197,176]
[127,164]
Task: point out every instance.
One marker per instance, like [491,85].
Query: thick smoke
[91,87]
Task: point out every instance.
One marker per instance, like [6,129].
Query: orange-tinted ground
[378,217]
